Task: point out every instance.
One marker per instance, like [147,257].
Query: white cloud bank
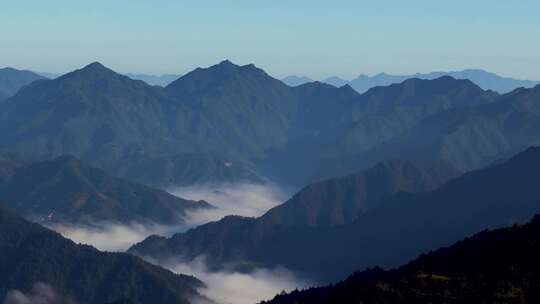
[108,236]
[230,287]
[230,199]
[250,200]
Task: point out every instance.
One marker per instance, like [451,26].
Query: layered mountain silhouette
[394,231]
[112,121]
[11,80]
[32,254]
[294,81]
[498,266]
[362,83]
[486,80]
[66,190]
[335,81]
[470,137]
[336,126]
[230,114]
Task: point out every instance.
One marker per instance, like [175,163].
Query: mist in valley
[223,287]
[232,287]
[243,199]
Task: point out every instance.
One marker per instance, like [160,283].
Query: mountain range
[65,190]
[112,121]
[406,166]
[32,254]
[498,266]
[395,229]
[11,80]
[362,83]
[236,123]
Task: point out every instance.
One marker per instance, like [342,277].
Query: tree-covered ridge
[498,266]
[66,190]
[32,254]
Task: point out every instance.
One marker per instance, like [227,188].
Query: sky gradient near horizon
[313,38]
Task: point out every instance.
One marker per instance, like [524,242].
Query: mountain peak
[227,62]
[90,72]
[347,87]
[201,79]
[442,83]
[96,67]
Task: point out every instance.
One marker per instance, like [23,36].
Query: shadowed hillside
[499,266]
[33,254]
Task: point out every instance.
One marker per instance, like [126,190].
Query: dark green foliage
[499,266]
[31,254]
[394,231]
[66,190]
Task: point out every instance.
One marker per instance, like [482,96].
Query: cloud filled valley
[223,287]
[243,199]
[233,287]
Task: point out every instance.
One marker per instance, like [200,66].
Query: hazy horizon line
[280,77]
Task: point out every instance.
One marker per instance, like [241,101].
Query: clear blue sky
[313,38]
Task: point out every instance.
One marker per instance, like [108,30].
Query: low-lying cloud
[230,199]
[113,236]
[40,293]
[223,287]
[250,200]
[231,287]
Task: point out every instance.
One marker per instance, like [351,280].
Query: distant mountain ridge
[236,123]
[484,79]
[11,80]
